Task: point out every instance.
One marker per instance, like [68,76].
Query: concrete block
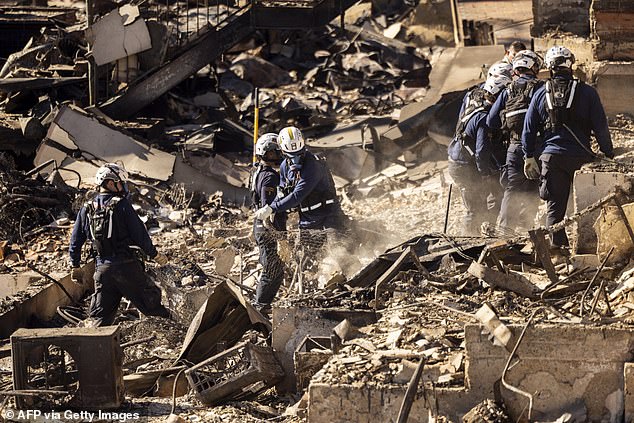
[614,82]
[349,404]
[42,305]
[590,186]
[571,16]
[293,324]
[583,370]
[567,368]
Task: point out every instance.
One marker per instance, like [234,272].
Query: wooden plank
[391,272]
[508,282]
[538,236]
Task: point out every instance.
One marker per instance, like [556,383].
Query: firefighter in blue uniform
[112,226]
[567,111]
[473,164]
[264,183]
[497,70]
[306,184]
[520,201]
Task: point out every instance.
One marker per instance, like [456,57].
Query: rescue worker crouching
[566,111]
[264,183]
[521,200]
[306,184]
[472,163]
[113,227]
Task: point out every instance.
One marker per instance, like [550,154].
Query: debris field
[407,319]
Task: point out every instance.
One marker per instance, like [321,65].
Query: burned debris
[391,313]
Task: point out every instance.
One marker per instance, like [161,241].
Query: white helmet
[266,142]
[559,56]
[526,59]
[494,85]
[291,140]
[499,69]
[112,171]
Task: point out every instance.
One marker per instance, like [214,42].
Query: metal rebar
[444,231]
[596,274]
[50,278]
[602,290]
[508,363]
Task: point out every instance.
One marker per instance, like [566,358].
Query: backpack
[319,198]
[101,227]
[517,102]
[476,102]
[560,96]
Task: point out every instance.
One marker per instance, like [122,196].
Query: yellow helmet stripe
[290,133]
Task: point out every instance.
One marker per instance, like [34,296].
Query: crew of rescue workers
[120,242]
[517,138]
[520,138]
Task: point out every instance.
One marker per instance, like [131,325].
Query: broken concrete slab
[342,403]
[569,366]
[614,82]
[118,34]
[565,368]
[43,304]
[77,130]
[74,130]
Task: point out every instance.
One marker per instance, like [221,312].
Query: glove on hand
[264,212]
[161,259]
[531,168]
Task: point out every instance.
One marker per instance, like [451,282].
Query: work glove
[264,213]
[531,168]
[77,275]
[161,259]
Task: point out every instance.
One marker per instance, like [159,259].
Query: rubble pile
[401,313]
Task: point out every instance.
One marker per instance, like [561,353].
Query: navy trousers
[272,266]
[556,178]
[127,279]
